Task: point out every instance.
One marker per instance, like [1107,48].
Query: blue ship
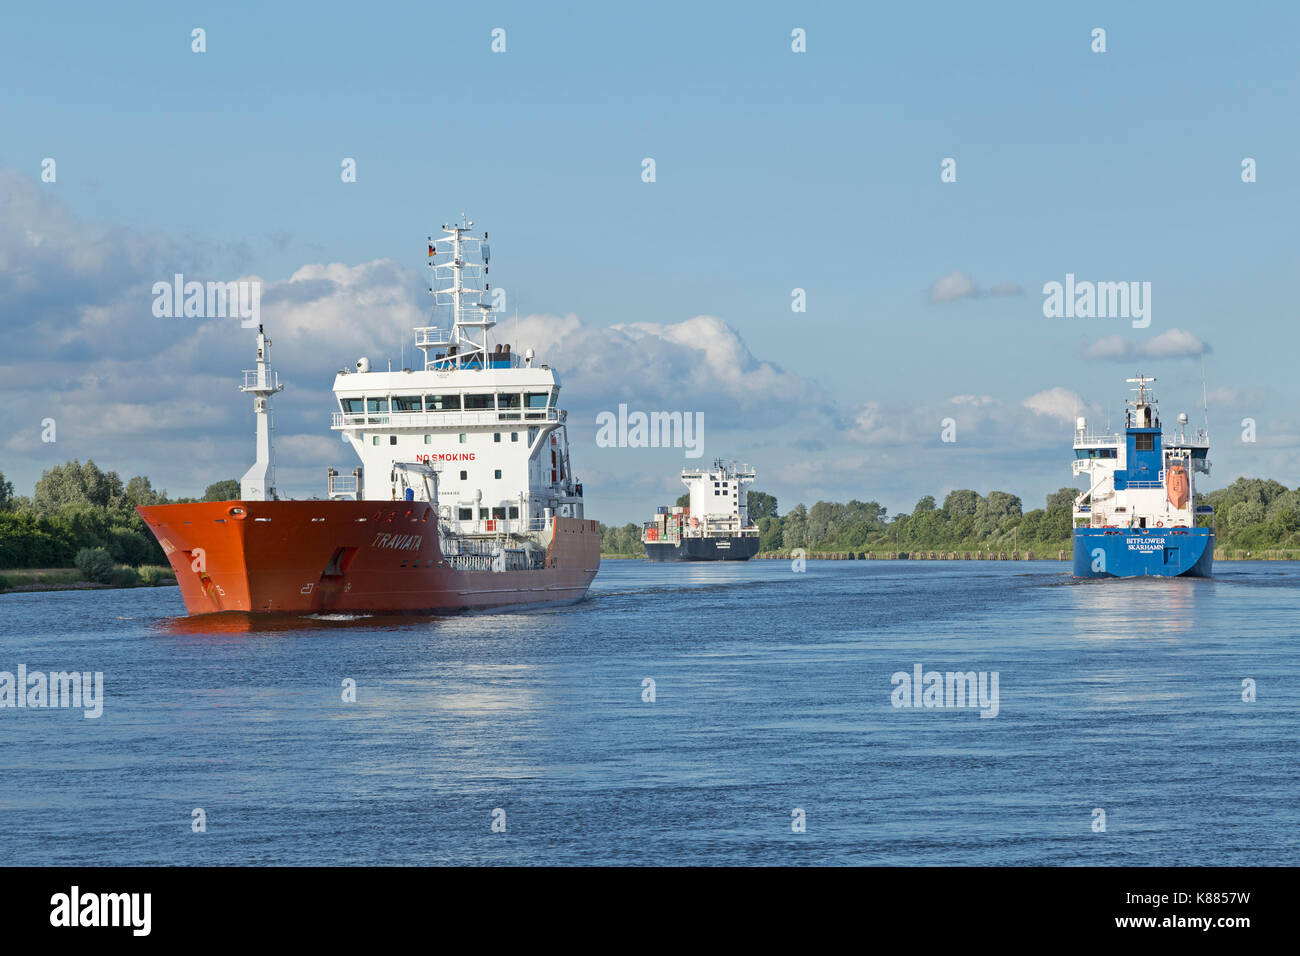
[1139,516]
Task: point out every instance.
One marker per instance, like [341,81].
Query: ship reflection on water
[237,622]
[1118,609]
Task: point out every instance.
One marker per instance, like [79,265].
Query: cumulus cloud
[953,286]
[1175,343]
[959,285]
[1059,404]
[1227,396]
[700,363]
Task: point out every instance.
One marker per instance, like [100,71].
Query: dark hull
[1148,552]
[703,549]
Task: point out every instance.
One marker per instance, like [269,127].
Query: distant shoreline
[1289,554]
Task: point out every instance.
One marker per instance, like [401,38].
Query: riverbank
[19,580]
[1231,554]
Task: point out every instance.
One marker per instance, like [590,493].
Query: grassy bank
[70,579]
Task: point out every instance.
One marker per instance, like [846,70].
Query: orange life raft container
[1176,486]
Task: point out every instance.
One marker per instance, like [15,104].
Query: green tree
[95,564]
[794,529]
[962,503]
[140,491]
[227,490]
[6,494]
[75,483]
[1245,513]
[761,505]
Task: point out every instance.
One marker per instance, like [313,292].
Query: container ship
[714,527]
[465,496]
[1139,516]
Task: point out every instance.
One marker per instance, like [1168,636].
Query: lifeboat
[1176,486]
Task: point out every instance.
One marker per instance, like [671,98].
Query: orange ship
[479,508]
[355,556]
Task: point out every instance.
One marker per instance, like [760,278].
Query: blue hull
[1143,552]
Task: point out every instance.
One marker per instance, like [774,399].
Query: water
[772,693]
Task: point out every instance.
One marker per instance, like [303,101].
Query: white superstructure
[719,502]
[486,418]
[1138,478]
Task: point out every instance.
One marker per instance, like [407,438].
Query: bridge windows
[352,406]
[406,403]
[508,403]
[465,514]
[377,405]
[479,403]
[535,403]
[442,403]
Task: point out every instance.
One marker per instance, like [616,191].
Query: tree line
[75,507]
[1252,514]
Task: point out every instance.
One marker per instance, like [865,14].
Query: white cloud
[1175,343]
[1059,404]
[953,286]
[959,285]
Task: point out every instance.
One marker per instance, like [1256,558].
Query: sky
[775,171]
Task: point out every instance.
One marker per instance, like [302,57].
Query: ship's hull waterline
[303,557]
[1149,552]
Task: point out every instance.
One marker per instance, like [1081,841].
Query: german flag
[432,252]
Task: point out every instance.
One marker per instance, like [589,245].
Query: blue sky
[775,170]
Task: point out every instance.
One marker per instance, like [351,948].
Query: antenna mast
[465,343]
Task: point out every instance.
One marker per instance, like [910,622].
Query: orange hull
[350,556]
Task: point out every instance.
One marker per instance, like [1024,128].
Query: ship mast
[1144,400]
[465,343]
[258,483]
